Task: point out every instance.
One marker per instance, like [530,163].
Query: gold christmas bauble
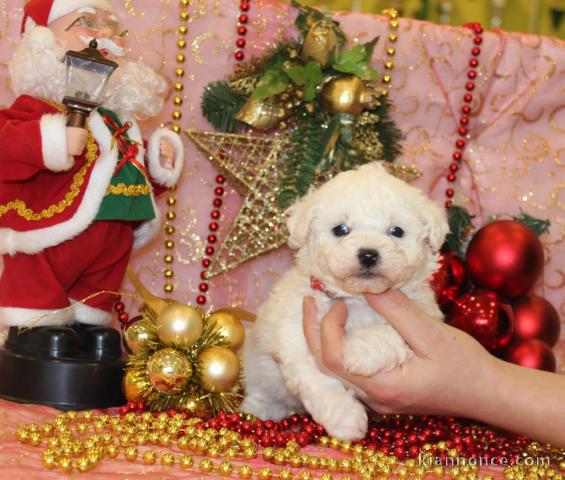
[179,325]
[219,369]
[136,337]
[231,329]
[350,95]
[133,385]
[169,370]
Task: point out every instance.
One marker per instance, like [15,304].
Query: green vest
[128,197]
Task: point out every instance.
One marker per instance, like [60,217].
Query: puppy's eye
[340,230]
[396,232]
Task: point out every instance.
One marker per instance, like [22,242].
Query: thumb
[414,325]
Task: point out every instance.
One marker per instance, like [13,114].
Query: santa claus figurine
[74,201]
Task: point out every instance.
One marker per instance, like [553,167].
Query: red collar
[317,285]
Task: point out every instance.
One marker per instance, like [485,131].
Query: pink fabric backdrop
[515,158]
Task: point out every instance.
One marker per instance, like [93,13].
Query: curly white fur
[281,374]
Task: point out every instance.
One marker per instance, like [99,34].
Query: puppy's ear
[298,217]
[435,223]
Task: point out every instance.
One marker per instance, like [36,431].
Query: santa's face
[77,29]
[133,90]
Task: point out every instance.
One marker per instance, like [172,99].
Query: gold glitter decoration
[252,165]
[167,370]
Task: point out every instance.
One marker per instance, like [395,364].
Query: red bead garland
[466,110]
[400,435]
[241,30]
[211,238]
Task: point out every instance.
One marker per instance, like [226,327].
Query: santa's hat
[43,12]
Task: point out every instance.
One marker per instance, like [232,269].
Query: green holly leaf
[356,61]
[308,76]
[272,82]
[536,224]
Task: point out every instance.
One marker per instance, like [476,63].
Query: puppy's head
[366,231]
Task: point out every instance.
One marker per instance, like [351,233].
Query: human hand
[166,154]
[440,378]
[76,140]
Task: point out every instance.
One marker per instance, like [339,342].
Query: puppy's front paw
[263,409]
[344,417]
[378,348]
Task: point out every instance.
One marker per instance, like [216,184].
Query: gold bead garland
[176,115]
[81,441]
[393,23]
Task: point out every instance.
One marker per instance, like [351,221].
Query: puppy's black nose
[368,257]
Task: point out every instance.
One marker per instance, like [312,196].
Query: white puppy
[363,231]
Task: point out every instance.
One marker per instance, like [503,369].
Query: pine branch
[301,160]
[537,225]
[220,105]
[460,225]
[389,134]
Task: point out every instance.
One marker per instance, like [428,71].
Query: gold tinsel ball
[136,337]
[179,325]
[133,385]
[344,95]
[231,329]
[169,370]
[219,369]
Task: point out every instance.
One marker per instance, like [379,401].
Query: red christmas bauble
[447,282]
[485,316]
[535,317]
[531,353]
[505,256]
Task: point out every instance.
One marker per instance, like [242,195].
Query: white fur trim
[29,24]
[61,8]
[34,241]
[147,231]
[90,315]
[164,176]
[29,317]
[54,142]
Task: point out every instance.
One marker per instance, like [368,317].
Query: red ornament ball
[531,353]
[535,317]
[485,316]
[447,282]
[505,256]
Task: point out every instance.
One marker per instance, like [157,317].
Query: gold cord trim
[128,190]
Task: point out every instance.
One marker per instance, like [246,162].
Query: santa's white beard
[36,69]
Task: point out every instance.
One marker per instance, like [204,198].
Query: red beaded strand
[212,238]
[466,111]
[241,30]
[400,435]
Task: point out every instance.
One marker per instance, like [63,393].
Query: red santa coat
[46,196]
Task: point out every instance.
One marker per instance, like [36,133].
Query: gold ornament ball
[169,370]
[179,325]
[231,329]
[346,95]
[133,385]
[137,336]
[219,369]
